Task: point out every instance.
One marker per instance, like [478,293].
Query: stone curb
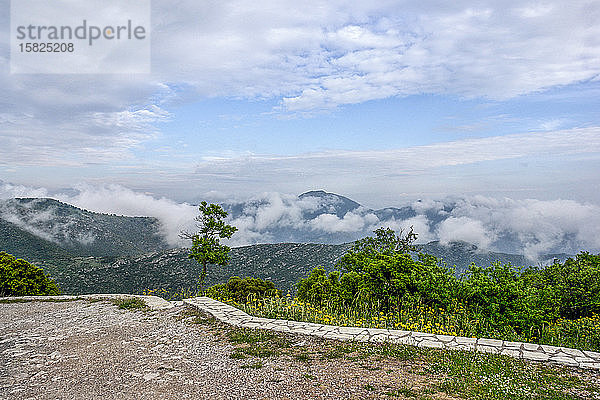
[527,351]
[153,302]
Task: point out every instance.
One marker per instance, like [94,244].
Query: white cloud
[420,224]
[9,191]
[310,56]
[114,199]
[531,227]
[350,222]
[465,229]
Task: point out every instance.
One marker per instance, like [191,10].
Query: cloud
[412,171]
[114,199]
[350,222]
[9,191]
[307,57]
[531,227]
[465,229]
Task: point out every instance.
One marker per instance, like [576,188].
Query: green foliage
[383,285]
[576,285]
[131,303]
[319,287]
[20,278]
[240,289]
[206,248]
[381,269]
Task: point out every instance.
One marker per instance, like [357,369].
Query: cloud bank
[530,227]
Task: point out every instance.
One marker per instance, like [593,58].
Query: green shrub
[20,278]
[240,289]
[380,270]
[319,287]
[380,275]
[576,285]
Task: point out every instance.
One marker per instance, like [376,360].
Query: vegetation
[132,303]
[206,248]
[244,289]
[379,284]
[20,278]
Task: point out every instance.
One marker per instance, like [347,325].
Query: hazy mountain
[23,244]
[91,252]
[81,232]
[284,264]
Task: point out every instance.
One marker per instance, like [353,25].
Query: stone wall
[528,351]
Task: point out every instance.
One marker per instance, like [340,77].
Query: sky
[384,102]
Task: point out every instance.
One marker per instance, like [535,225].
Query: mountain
[23,244]
[79,232]
[91,252]
[329,203]
[283,263]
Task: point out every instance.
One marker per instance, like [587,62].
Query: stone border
[527,351]
[153,302]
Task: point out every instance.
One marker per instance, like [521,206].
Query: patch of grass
[403,392]
[256,365]
[258,351]
[132,303]
[309,377]
[370,388]
[257,343]
[302,356]
[237,355]
[250,336]
[490,376]
[395,351]
[194,316]
[9,301]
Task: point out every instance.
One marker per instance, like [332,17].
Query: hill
[76,231]
[282,263]
[89,252]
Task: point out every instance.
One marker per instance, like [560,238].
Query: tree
[385,242]
[20,278]
[206,248]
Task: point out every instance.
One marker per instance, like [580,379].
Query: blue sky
[384,103]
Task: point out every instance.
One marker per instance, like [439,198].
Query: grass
[132,303]
[255,365]
[424,373]
[499,377]
[436,373]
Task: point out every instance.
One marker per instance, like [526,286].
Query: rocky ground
[93,349]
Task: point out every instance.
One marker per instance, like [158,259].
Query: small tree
[206,248]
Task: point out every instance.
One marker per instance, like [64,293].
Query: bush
[319,287]
[380,270]
[20,278]
[240,289]
[576,285]
[380,273]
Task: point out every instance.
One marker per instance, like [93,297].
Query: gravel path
[93,350]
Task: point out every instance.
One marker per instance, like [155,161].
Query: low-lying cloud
[530,227]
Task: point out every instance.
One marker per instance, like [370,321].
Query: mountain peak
[316,193]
